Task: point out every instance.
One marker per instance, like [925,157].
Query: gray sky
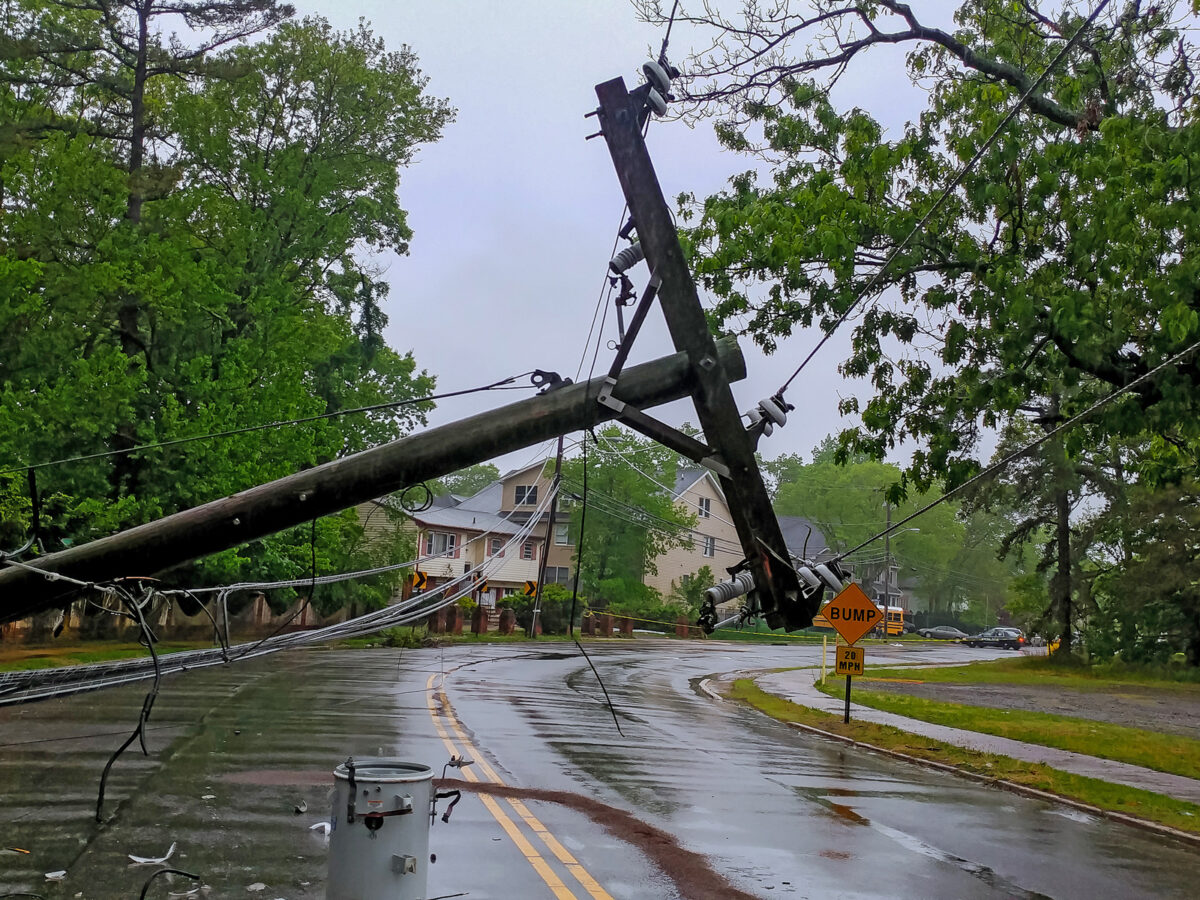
[514,213]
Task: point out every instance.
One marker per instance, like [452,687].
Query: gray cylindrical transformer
[379,839]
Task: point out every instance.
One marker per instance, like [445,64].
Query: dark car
[1012,638]
[942,633]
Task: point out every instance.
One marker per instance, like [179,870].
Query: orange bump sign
[851,613]
[850,660]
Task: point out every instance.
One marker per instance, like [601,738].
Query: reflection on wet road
[775,811]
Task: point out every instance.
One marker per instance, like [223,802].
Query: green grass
[1162,752]
[22,658]
[1117,798]
[1042,670]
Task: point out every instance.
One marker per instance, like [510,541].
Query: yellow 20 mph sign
[850,660]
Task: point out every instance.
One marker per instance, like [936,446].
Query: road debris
[152,860]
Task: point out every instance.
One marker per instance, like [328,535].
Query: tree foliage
[468,481]
[952,558]
[1059,268]
[631,516]
[187,215]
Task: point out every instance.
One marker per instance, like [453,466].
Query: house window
[710,546]
[565,502]
[527,550]
[526,495]
[705,507]
[440,543]
[562,535]
[558,575]
[496,547]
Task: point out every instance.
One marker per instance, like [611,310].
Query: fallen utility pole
[777,592]
[334,486]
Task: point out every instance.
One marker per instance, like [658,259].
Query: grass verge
[22,658]
[1114,797]
[1171,753]
[1040,670]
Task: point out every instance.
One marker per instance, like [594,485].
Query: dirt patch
[690,872]
[1136,706]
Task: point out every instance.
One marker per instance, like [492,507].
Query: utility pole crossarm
[334,486]
[777,586]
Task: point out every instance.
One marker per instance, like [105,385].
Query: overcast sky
[514,213]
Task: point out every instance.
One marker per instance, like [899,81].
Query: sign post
[852,614]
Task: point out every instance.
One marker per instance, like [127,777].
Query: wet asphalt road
[777,812]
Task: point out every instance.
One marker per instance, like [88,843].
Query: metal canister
[379,835]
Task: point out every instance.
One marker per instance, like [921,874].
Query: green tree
[631,517]
[953,556]
[468,481]
[1068,253]
[238,294]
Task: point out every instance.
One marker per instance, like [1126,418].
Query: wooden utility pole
[334,486]
[780,599]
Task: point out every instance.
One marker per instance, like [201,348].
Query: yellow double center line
[446,715]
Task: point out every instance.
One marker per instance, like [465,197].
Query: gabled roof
[798,530]
[464,520]
[487,500]
[687,477]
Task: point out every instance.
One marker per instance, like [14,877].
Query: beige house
[462,534]
[714,539]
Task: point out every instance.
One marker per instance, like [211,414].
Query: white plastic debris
[301,807]
[256,887]
[152,861]
[323,827]
[209,797]
[56,876]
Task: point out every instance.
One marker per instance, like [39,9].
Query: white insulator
[829,578]
[658,77]
[742,583]
[774,410]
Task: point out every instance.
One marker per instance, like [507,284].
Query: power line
[498,385]
[945,194]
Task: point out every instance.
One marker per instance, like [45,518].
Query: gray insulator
[725,591]
[658,77]
[657,102]
[829,578]
[627,259]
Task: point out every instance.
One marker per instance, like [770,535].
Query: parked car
[943,633]
[1012,638]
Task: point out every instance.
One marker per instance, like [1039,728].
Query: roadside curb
[1013,787]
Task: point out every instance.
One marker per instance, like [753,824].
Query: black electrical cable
[146,886]
[945,194]
[312,588]
[497,385]
[139,732]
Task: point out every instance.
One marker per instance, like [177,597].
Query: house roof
[687,477]
[796,531]
[465,520]
[487,500]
